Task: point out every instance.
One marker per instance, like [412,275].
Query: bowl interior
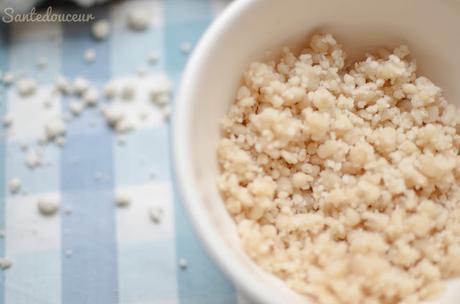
[244,32]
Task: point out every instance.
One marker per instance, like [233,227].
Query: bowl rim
[183,169]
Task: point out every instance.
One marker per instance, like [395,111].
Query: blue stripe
[90,274]
[202,282]
[4,54]
[124,39]
[139,159]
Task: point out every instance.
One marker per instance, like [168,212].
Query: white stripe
[143,197]
[33,242]
[146,251]
[29,115]
[146,263]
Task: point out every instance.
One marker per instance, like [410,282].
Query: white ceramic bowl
[241,34]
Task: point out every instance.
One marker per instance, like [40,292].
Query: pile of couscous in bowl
[344,179]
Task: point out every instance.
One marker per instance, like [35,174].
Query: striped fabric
[93,252]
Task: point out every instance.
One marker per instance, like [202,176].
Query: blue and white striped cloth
[98,254]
